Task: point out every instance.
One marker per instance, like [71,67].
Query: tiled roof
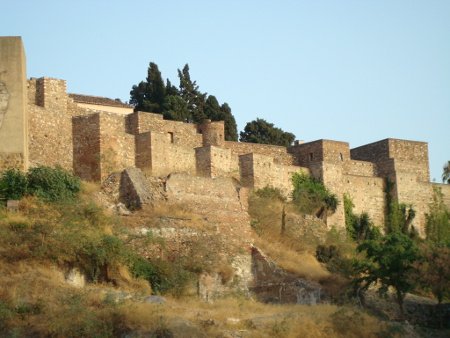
[99,100]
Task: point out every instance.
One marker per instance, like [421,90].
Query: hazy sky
[354,71]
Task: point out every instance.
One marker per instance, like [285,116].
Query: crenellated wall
[40,124]
[181,133]
[259,171]
[280,154]
[96,143]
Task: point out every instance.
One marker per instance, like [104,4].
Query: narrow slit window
[170,134]
[311,156]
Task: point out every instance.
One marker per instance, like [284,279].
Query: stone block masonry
[40,124]
[13,99]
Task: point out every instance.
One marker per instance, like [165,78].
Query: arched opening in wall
[311,156]
[170,136]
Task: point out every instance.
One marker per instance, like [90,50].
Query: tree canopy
[390,262]
[261,131]
[185,103]
[437,226]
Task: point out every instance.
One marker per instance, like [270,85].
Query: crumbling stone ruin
[41,124]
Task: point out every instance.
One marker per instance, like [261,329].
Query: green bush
[52,184]
[13,184]
[270,193]
[163,276]
[49,184]
[359,227]
[311,196]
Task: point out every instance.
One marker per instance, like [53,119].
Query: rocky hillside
[178,256]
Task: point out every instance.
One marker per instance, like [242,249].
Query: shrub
[270,193]
[163,276]
[13,184]
[52,184]
[359,227]
[311,196]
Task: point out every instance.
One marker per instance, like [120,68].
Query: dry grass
[42,304]
[257,319]
[303,264]
[287,250]
[158,215]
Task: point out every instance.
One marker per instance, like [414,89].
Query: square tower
[13,100]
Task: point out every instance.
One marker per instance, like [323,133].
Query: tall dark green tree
[212,108]
[171,89]
[216,112]
[231,133]
[190,93]
[137,96]
[185,103]
[150,95]
[261,131]
[175,108]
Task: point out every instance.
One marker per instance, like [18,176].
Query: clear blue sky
[354,71]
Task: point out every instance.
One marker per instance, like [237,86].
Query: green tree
[171,89]
[175,108]
[400,217]
[446,173]
[433,273]
[185,103]
[231,133]
[212,108]
[434,270]
[437,226]
[137,96]
[150,95]
[190,93]
[359,227]
[390,262]
[216,112]
[261,131]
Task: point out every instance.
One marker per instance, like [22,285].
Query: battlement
[320,151]
[396,155]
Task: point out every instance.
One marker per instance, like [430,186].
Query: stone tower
[13,101]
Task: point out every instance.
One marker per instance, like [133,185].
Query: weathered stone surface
[12,205]
[274,285]
[417,310]
[96,142]
[4,100]
[155,300]
[75,278]
[135,190]
[13,112]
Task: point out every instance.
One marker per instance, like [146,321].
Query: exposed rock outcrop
[274,285]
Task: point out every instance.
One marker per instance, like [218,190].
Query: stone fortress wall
[96,142]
